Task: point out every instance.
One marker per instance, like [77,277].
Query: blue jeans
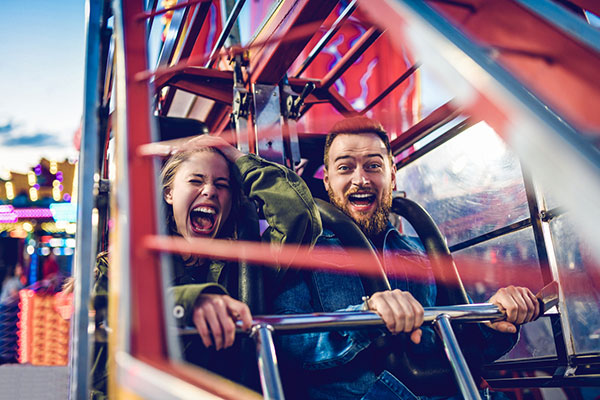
[387,387]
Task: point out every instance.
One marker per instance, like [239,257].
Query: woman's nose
[209,190]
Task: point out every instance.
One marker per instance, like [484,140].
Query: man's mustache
[358,189]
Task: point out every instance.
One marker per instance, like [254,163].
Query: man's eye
[374,166]
[343,168]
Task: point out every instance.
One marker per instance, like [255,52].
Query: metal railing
[263,328]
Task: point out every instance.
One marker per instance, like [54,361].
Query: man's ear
[393,176]
[168,196]
[326,179]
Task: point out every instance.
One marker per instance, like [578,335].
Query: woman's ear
[168,196]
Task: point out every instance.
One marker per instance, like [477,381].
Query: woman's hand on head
[225,147]
[215,316]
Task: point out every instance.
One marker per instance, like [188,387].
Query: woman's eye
[223,186]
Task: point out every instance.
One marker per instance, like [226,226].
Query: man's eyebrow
[349,156]
[342,157]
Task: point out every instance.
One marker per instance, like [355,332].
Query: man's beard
[371,226]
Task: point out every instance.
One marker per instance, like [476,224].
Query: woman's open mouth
[203,220]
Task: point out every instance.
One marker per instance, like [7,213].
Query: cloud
[38,139]
[7,128]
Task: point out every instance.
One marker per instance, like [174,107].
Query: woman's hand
[217,142]
[215,316]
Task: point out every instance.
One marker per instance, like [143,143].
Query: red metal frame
[562,71]
[146,289]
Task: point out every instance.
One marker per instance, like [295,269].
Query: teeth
[362,195]
[206,210]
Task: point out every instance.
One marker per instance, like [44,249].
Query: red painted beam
[557,68]
[434,120]
[147,326]
[206,82]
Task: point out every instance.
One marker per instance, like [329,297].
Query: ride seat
[417,373]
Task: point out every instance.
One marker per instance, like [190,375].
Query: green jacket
[288,208]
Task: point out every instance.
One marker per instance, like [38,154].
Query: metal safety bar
[264,326]
[438,316]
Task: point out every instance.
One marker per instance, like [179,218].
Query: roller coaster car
[274,87]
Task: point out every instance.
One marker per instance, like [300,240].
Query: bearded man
[359,176]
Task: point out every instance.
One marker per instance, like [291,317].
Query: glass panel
[536,340]
[470,185]
[580,282]
[508,260]
[551,195]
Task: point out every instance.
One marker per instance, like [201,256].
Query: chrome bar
[327,37]
[235,12]
[173,38]
[263,326]
[463,376]
[358,319]
[86,235]
[267,362]
[298,323]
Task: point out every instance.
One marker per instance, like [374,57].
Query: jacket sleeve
[185,297]
[497,344]
[316,350]
[284,199]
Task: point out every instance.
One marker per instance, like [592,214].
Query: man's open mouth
[203,219]
[361,199]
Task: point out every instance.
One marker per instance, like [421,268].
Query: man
[359,177]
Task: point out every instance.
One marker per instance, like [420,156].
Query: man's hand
[215,316]
[520,305]
[227,149]
[400,312]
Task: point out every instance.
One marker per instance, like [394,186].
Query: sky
[41,76]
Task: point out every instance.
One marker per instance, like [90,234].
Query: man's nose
[359,178]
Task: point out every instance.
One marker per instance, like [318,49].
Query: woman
[206,187]
[213,190]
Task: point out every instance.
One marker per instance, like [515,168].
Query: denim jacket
[342,364]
